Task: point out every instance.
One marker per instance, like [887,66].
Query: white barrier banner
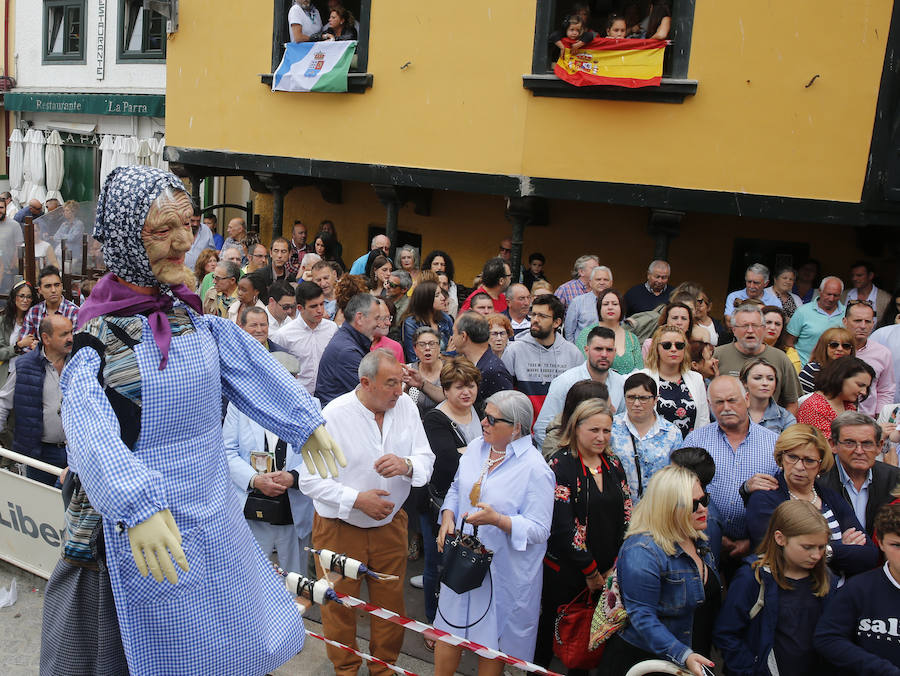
[31,523]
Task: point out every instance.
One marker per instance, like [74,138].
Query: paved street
[20,626]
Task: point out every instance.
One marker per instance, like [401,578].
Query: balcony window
[550,18]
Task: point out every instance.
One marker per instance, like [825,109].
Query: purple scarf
[112,297]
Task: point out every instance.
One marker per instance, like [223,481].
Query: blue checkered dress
[230,614]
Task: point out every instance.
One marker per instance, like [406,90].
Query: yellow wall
[752,127]
[470,227]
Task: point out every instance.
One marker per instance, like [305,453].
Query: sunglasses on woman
[834,345]
[702,501]
[679,345]
[491,420]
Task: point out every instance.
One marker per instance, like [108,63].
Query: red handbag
[572,633]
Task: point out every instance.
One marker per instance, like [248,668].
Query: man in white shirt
[307,335]
[358,512]
[282,306]
[304,20]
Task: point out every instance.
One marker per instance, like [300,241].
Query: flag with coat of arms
[314,66]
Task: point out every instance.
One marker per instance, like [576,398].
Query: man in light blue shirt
[600,351]
[379,242]
[811,320]
[744,455]
[582,310]
[755,279]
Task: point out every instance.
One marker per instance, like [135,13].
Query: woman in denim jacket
[666,576]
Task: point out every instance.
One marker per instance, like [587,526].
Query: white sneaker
[417,581]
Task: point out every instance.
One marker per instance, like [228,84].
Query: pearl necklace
[815,496]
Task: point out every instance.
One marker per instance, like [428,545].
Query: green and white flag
[314,66]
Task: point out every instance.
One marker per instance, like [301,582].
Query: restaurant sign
[132,105]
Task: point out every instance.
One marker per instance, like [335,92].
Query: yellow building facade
[767,129]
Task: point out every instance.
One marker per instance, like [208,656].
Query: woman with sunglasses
[12,344]
[675,314]
[682,392]
[667,577]
[839,387]
[760,378]
[802,452]
[503,486]
[591,512]
[834,343]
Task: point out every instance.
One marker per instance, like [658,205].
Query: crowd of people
[735,475]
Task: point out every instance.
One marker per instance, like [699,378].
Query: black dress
[588,528]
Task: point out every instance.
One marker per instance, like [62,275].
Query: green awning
[131,105]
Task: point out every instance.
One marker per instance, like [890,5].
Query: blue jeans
[432,574]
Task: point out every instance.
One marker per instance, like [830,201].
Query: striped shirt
[570,290]
[35,315]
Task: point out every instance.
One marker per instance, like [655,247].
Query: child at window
[576,30]
[615,26]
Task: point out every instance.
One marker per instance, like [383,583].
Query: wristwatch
[409,467]
[829,553]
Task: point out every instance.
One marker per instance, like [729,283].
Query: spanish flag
[623,62]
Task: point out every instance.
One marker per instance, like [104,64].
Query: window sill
[357,83]
[671,90]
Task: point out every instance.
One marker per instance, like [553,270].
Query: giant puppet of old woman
[141,411]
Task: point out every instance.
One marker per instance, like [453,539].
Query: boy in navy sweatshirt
[859,632]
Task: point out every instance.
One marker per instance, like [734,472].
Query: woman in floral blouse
[591,511]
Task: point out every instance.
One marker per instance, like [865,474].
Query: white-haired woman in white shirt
[505,487]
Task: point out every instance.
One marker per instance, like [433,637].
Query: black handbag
[275,511]
[466,561]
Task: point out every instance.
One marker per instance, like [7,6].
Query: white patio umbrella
[158,145]
[38,192]
[54,158]
[118,151]
[16,158]
[130,155]
[144,152]
[107,157]
[27,180]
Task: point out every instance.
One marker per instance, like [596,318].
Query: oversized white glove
[320,453]
[154,543]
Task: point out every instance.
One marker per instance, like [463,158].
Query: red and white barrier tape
[368,658]
[440,635]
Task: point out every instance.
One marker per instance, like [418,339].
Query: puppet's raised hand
[154,543]
[320,453]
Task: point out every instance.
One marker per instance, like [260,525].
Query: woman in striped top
[802,452]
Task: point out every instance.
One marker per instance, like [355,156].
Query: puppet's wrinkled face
[167,236]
